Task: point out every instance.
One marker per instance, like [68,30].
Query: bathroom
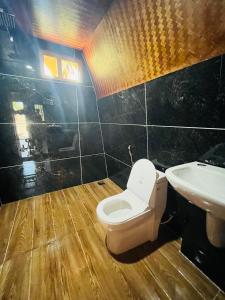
[104,104]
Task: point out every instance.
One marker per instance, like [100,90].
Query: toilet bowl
[133,216]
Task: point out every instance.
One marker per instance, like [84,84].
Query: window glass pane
[70,70]
[50,66]
[17,105]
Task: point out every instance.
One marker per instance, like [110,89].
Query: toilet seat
[120,208]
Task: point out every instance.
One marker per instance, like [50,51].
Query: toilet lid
[142,179]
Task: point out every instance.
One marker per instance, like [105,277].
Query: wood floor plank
[7,216]
[147,287]
[22,232]
[206,288]
[46,281]
[62,221]
[78,212]
[15,277]
[68,259]
[171,281]
[43,221]
[220,296]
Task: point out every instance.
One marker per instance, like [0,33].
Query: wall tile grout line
[47,123]
[45,79]
[99,121]
[51,160]
[81,173]
[119,124]
[146,121]
[187,127]
[119,160]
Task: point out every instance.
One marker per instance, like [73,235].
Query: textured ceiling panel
[139,40]
[67,22]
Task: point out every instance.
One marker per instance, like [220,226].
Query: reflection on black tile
[39,101]
[22,142]
[90,139]
[37,178]
[117,138]
[188,97]
[87,105]
[93,168]
[118,172]
[126,107]
[174,146]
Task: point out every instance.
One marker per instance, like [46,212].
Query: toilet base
[141,230]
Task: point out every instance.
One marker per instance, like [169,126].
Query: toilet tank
[159,196]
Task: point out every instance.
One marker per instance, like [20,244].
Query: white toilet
[133,216]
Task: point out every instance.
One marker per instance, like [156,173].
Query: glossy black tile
[117,138]
[38,101]
[93,168]
[173,146]
[198,249]
[37,178]
[58,101]
[23,141]
[118,172]
[87,105]
[126,107]
[188,97]
[90,139]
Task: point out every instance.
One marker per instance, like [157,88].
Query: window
[50,66]
[61,68]
[70,70]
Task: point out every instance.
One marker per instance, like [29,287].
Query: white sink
[204,186]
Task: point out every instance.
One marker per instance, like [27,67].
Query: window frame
[59,58]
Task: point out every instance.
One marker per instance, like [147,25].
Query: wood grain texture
[56,250]
[70,23]
[138,41]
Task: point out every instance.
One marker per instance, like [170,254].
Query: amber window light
[60,68]
[50,66]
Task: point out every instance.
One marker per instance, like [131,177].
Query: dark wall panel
[46,126]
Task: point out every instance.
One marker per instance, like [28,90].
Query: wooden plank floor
[53,247]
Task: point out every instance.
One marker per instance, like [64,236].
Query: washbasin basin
[204,186]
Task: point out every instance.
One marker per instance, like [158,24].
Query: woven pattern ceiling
[67,22]
[139,40]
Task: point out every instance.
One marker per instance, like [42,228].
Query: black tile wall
[117,139]
[93,168]
[190,97]
[90,139]
[172,120]
[46,126]
[126,107]
[87,105]
[118,171]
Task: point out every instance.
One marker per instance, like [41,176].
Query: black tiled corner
[188,97]
[93,168]
[173,146]
[87,106]
[90,139]
[37,178]
[117,138]
[126,107]
[118,172]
